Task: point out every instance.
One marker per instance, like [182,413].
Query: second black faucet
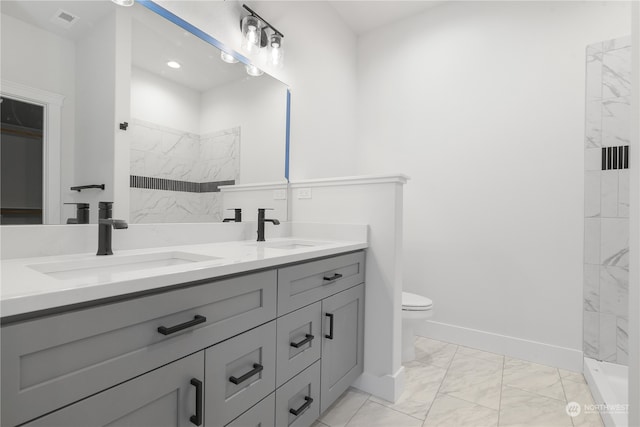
[261,221]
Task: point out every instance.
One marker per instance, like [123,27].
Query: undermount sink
[289,244]
[100,269]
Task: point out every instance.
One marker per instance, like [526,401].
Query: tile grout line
[358,410]
[501,387]
[441,382]
[565,396]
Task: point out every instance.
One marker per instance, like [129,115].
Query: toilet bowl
[415,308]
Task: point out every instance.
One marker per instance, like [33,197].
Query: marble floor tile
[525,409]
[433,352]
[580,393]
[373,414]
[475,380]
[448,411]
[532,377]
[576,377]
[343,409]
[479,354]
[421,386]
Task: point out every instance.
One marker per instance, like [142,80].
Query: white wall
[164,102]
[24,63]
[482,104]
[320,68]
[249,103]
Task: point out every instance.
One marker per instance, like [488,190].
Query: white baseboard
[387,387]
[533,351]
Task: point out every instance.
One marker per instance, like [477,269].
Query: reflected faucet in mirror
[237,216]
[82,214]
[105,225]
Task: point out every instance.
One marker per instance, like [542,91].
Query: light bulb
[251,34]
[253,71]
[228,58]
[123,2]
[173,64]
[275,49]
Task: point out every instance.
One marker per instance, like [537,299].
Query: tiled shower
[606,209]
[175,174]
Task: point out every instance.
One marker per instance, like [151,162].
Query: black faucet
[105,225]
[82,214]
[237,217]
[261,221]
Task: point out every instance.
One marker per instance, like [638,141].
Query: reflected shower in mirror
[197,123]
[192,125]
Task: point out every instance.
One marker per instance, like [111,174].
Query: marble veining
[616,73]
[591,277]
[160,152]
[529,395]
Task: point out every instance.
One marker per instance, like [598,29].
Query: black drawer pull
[197,418]
[257,368]
[332,278]
[305,405]
[330,335]
[307,338]
[197,319]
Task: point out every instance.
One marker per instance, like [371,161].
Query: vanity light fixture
[123,2]
[227,57]
[253,71]
[173,64]
[257,33]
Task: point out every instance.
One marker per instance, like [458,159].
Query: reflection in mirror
[197,123]
[189,129]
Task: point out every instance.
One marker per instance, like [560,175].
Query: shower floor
[609,384]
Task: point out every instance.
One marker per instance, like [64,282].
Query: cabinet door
[164,397]
[342,343]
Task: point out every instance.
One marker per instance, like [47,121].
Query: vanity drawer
[261,415]
[304,284]
[53,361]
[298,401]
[298,342]
[239,373]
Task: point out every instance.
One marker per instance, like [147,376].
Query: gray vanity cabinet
[165,397]
[343,343]
[275,347]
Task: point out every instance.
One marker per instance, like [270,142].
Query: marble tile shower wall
[161,152]
[606,210]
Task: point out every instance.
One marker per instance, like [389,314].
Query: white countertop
[23,289]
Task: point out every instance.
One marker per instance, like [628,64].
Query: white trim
[387,387]
[546,354]
[351,180]
[52,103]
[254,187]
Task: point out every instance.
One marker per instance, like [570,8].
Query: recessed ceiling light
[173,64]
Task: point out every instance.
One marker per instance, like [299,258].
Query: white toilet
[415,308]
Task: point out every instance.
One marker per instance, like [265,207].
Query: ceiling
[365,16]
